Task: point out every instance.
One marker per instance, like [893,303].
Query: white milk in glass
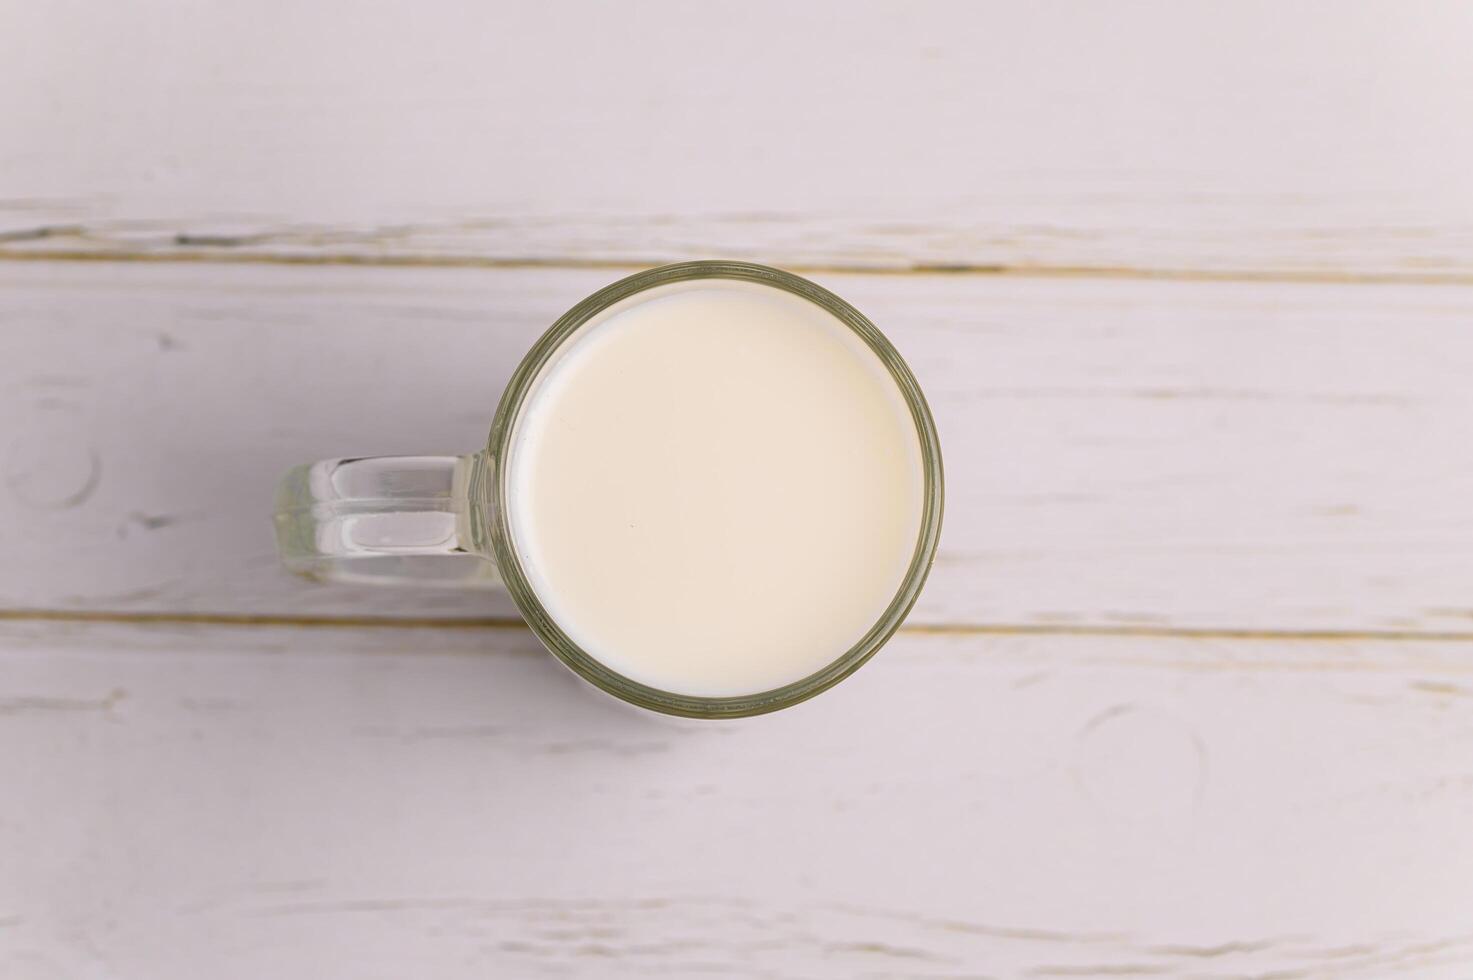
[715,488]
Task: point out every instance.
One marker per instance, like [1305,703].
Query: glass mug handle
[394,520]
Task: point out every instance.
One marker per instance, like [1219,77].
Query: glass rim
[541,621]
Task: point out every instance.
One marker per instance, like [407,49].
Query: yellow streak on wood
[1324,276]
[515,623]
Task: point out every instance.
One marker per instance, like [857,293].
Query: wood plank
[1253,138]
[241,803]
[1119,453]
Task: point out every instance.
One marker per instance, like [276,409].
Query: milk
[715,488]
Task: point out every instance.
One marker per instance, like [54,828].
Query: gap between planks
[1328,277]
[935,629]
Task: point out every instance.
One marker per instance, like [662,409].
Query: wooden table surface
[1190,288]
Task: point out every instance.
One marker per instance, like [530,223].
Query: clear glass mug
[441,520]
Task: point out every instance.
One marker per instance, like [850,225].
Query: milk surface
[715,488]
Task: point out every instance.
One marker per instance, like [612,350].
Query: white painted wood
[1255,137]
[1118,452]
[384,803]
[1123,454]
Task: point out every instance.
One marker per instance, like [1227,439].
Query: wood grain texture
[1189,694]
[243,803]
[1136,454]
[1256,138]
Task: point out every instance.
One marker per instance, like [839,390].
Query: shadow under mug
[442,520]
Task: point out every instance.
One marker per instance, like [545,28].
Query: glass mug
[447,519]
